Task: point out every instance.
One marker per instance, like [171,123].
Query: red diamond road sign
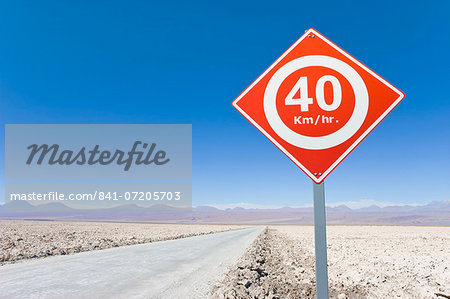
[316,103]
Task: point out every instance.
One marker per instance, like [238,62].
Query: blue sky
[185,61]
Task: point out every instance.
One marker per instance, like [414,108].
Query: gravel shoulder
[23,240]
[364,262]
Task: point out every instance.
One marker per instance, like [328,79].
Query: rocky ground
[21,240]
[364,262]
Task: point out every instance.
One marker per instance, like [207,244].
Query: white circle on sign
[322,142]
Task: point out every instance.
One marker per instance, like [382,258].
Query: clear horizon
[354,205]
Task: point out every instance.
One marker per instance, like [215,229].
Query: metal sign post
[320,239]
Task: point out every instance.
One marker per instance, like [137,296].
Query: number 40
[304,101]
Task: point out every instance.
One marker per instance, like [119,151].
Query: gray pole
[320,238]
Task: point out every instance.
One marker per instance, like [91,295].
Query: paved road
[183,268]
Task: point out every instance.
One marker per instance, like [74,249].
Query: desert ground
[21,240]
[364,262]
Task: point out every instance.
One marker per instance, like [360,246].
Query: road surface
[183,268]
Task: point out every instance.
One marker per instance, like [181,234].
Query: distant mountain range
[434,213]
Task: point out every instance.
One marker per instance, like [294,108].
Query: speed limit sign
[316,103]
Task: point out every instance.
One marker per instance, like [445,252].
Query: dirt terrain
[364,262]
[21,240]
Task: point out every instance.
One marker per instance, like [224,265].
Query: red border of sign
[358,141]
